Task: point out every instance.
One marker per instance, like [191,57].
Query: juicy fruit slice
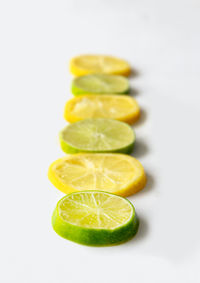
[91,64]
[100,84]
[115,173]
[95,218]
[118,107]
[97,135]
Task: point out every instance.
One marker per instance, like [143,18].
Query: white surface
[161,41]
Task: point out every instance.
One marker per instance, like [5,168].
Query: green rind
[78,91]
[95,237]
[70,149]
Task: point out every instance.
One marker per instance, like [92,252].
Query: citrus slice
[100,84]
[118,107]
[97,135]
[95,218]
[115,173]
[90,64]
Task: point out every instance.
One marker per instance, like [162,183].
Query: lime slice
[100,84]
[91,64]
[118,107]
[119,174]
[95,218]
[97,135]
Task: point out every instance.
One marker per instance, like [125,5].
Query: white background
[161,39]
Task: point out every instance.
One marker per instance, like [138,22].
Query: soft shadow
[134,73]
[142,119]
[133,91]
[142,232]
[140,148]
[150,185]
[150,182]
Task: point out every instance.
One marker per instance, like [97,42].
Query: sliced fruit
[97,135]
[115,173]
[100,84]
[95,218]
[118,107]
[91,64]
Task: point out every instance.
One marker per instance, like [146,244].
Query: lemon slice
[95,218]
[118,107]
[100,84]
[90,64]
[115,173]
[97,135]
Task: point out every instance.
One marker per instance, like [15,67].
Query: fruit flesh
[97,135]
[118,107]
[100,84]
[95,210]
[115,173]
